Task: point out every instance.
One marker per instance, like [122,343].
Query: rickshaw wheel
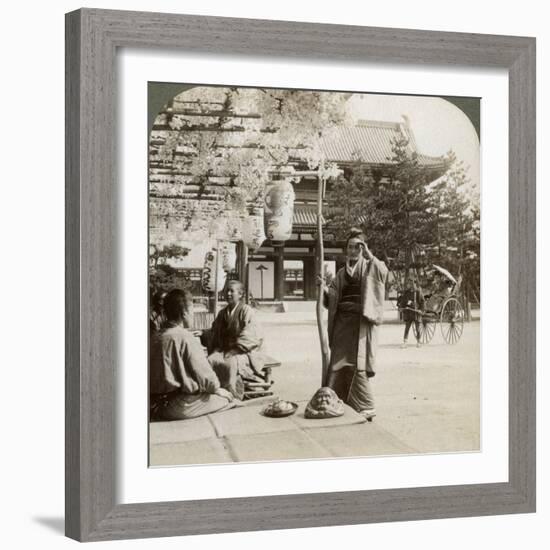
[427,327]
[452,320]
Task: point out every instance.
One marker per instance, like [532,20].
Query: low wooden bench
[253,390]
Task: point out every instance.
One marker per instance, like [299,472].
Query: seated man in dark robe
[182,382]
[234,343]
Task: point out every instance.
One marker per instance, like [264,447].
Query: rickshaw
[442,306]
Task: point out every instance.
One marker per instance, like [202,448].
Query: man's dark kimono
[411,303]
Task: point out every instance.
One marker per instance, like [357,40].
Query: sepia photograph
[314,274]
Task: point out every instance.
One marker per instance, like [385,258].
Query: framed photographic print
[289,251]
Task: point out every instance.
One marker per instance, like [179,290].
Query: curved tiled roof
[371,142]
[305,215]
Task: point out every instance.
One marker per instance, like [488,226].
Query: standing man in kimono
[234,343]
[355,302]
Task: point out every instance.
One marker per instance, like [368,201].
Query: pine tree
[410,222]
[457,245]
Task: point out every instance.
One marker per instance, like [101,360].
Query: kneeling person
[234,343]
[182,382]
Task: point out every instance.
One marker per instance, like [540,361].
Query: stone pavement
[427,401]
[245,435]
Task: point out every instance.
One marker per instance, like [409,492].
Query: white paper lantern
[253,229]
[209,273]
[233,227]
[229,255]
[279,202]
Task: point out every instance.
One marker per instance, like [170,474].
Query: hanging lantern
[209,272]
[253,229]
[229,256]
[279,202]
[234,227]
[227,226]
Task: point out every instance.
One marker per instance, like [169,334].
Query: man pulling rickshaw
[411,305]
[425,311]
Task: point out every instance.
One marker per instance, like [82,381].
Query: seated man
[182,382]
[234,343]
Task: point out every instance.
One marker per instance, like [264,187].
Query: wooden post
[279,271]
[320,256]
[216,278]
[310,274]
[243,269]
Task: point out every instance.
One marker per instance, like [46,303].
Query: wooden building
[277,270]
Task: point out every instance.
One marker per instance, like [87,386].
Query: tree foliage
[160,255]
[242,135]
[457,242]
[161,274]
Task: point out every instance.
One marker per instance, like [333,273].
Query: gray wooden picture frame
[92,39]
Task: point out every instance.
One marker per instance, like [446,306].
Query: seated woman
[182,383]
[444,290]
[234,343]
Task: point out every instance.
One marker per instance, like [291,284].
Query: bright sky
[437,125]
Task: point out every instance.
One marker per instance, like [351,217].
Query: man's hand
[197,333]
[322,283]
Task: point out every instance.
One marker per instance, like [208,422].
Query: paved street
[428,398]
[427,401]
